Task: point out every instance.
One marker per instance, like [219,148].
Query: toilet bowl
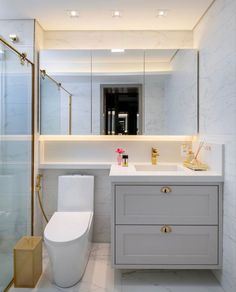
[68,234]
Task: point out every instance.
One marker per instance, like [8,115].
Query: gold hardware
[166,190]
[154,156]
[59,85]
[189,156]
[43,74]
[196,164]
[15,50]
[23,57]
[38,189]
[38,182]
[70,114]
[166,229]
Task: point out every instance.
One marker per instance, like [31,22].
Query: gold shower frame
[23,58]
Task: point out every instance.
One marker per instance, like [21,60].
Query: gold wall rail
[23,56]
[44,74]
[70,114]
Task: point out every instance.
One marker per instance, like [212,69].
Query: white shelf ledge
[97,138]
[75,165]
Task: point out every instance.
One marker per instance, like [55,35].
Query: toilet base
[68,260]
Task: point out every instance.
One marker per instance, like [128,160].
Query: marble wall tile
[215,36]
[118,39]
[154,99]
[180,105]
[50,120]
[24,29]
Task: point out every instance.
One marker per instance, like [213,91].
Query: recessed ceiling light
[117,50]
[73,13]
[116,13]
[162,13]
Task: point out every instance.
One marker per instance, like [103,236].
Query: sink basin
[158,167]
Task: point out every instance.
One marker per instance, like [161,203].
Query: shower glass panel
[50,105]
[60,113]
[16,78]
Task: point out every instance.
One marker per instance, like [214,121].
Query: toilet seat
[67,226]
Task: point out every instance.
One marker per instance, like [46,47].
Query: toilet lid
[67,226]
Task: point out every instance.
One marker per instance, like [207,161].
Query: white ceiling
[96,14]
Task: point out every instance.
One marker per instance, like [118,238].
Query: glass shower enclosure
[16,154]
[55,107]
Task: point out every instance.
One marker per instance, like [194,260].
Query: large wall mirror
[130,92]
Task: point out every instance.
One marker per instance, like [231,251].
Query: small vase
[119,159]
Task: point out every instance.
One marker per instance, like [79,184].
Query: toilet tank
[75,193]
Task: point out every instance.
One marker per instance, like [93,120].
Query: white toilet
[68,234]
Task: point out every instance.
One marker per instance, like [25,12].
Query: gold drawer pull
[166,190]
[166,229]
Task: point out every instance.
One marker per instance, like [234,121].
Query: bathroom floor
[5,269]
[100,277]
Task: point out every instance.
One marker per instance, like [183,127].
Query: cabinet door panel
[184,245]
[182,205]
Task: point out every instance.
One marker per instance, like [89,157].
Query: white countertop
[130,174]
[183,174]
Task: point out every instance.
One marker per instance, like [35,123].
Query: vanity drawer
[184,245]
[159,204]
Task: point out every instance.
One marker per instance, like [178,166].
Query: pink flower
[120,150]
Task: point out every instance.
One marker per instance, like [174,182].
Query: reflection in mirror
[121,109]
[50,104]
[163,85]
[122,73]
[72,68]
[171,92]
[54,100]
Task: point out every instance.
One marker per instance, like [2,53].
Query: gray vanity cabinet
[166,226]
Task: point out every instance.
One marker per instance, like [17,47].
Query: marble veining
[215,37]
[118,39]
[101,277]
[24,29]
[180,107]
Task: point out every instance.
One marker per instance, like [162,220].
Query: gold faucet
[155,153]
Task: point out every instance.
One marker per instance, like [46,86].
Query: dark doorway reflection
[121,109]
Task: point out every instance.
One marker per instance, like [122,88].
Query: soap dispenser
[125,158]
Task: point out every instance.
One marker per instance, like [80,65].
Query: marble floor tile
[101,277]
[5,269]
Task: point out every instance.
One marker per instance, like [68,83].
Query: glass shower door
[16,76]
[50,108]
